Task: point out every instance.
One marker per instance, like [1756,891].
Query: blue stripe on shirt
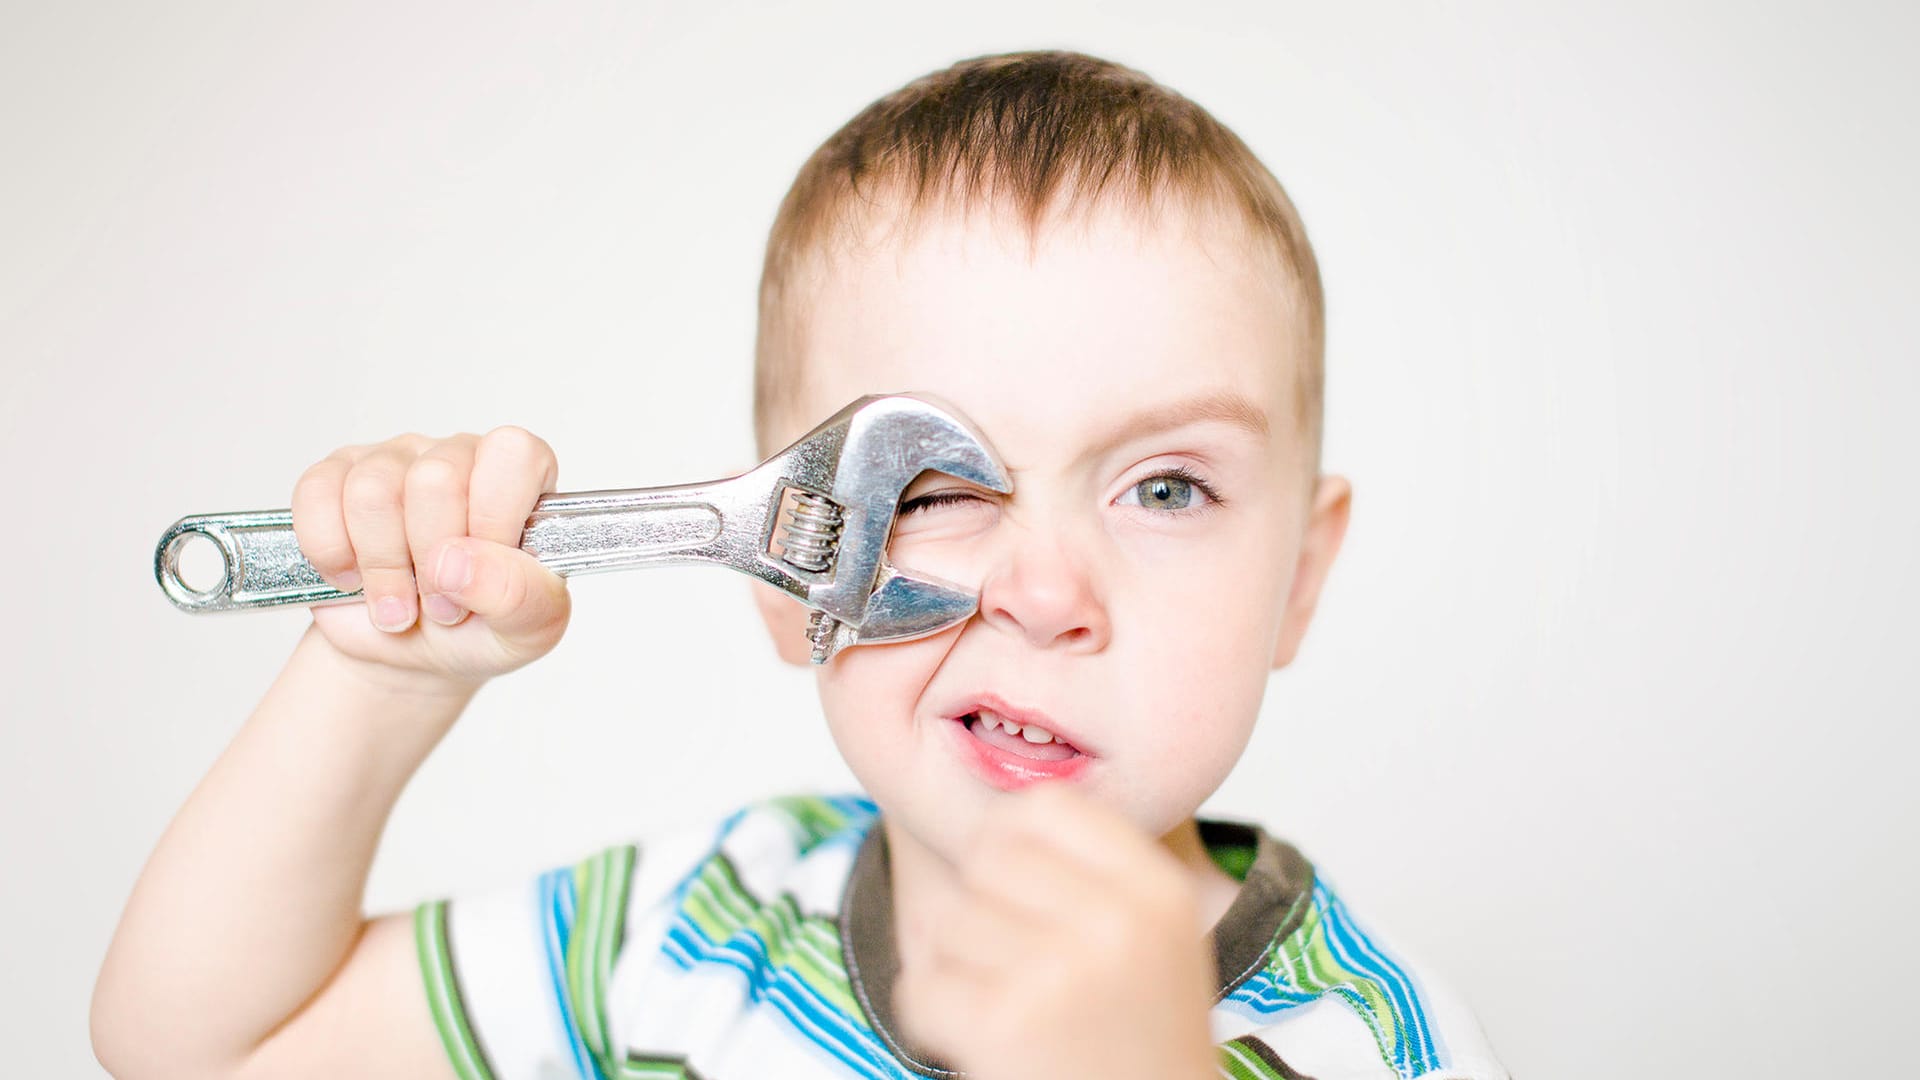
[558,900]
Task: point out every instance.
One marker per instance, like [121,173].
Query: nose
[1039,590]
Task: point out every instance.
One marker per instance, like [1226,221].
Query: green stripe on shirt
[443,992]
[601,882]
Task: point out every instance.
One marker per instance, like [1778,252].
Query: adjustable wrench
[813,520]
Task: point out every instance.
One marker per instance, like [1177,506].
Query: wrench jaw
[886,442]
[891,440]
[903,608]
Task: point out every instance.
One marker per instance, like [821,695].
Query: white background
[1608,710]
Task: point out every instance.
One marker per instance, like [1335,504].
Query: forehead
[1048,347]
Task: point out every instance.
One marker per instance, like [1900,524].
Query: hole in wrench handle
[262,563]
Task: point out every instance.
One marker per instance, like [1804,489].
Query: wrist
[428,691]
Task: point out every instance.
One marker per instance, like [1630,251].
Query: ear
[786,620]
[1326,527]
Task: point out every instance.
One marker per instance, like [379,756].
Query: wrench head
[889,440]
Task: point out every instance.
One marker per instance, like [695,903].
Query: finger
[512,467]
[1065,852]
[319,520]
[1020,873]
[989,943]
[525,604]
[436,510]
[1076,827]
[377,528]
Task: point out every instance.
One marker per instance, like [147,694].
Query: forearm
[253,895]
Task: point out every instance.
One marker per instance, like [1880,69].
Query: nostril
[1049,605]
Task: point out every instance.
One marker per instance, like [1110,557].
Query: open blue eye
[1176,489]
[1165,493]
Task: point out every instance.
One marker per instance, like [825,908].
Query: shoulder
[794,827]
[800,844]
[570,966]
[1334,997]
[766,841]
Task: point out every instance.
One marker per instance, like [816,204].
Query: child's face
[1119,375]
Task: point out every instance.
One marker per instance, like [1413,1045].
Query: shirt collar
[1269,905]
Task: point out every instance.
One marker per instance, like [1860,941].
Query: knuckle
[513,592]
[384,579]
[434,473]
[320,540]
[521,446]
[373,487]
[513,439]
[318,481]
[496,525]
[962,924]
[328,557]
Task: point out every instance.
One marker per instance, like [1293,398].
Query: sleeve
[517,978]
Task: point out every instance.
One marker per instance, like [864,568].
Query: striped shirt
[763,947]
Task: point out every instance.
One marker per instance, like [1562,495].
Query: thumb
[522,601]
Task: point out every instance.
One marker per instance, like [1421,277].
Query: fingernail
[390,614]
[455,570]
[348,581]
[441,610]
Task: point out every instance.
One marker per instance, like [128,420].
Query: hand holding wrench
[814,520]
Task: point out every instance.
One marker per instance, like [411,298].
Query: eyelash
[1178,472]
[938,498]
[1182,473]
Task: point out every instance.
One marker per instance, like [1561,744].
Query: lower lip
[1011,772]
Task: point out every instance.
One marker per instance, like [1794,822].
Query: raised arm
[243,949]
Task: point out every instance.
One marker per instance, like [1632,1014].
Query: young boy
[1110,286]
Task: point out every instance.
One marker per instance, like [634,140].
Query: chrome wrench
[813,520]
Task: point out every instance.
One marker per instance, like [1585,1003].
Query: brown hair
[1023,131]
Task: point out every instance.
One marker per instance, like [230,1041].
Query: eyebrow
[1223,406]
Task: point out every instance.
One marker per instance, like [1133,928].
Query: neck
[1214,887]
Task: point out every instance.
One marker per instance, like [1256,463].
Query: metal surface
[831,495]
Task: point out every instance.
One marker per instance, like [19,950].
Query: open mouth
[1028,741]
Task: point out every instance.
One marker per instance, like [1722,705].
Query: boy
[1110,286]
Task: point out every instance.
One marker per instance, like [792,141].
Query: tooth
[1037,735]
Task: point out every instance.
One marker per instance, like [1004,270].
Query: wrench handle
[570,533]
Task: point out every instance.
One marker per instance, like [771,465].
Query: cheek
[868,693]
[1201,637]
[1211,604]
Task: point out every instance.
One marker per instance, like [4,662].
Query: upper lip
[1016,713]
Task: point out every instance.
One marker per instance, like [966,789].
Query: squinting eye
[938,498]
